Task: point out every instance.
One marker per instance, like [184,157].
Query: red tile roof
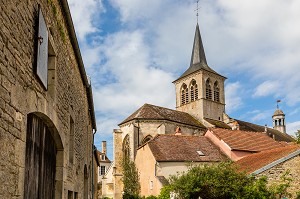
[151,112]
[256,161]
[246,140]
[247,126]
[183,148]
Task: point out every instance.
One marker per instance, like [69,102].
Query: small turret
[279,120]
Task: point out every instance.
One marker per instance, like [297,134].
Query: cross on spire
[197,10]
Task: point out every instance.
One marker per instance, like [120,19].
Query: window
[194,90]
[147,139]
[151,185]
[70,194]
[216,92]
[208,90]
[126,146]
[102,170]
[184,96]
[102,157]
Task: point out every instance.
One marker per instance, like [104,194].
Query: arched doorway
[40,163]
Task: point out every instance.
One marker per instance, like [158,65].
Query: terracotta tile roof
[256,161]
[246,141]
[151,112]
[217,123]
[247,126]
[183,148]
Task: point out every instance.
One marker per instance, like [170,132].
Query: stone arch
[216,92]
[146,139]
[193,90]
[184,94]
[126,147]
[44,158]
[208,89]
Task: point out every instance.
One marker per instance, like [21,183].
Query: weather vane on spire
[197,10]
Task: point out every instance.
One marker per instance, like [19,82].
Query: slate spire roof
[198,59]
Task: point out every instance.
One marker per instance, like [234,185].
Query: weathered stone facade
[66,107]
[275,173]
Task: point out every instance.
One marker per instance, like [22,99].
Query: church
[200,105]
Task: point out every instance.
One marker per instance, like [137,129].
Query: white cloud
[136,81]
[292,127]
[233,96]
[266,88]
[83,13]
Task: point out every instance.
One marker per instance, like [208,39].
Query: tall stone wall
[275,173]
[21,93]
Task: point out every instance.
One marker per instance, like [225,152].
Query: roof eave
[74,42]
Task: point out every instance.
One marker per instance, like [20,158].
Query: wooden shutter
[42,51]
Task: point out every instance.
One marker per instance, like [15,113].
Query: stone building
[200,105]
[47,116]
[167,155]
[105,179]
[273,164]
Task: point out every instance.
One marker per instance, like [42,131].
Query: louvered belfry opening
[40,160]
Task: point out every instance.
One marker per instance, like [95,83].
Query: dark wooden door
[40,160]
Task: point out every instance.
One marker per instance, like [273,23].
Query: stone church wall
[21,93]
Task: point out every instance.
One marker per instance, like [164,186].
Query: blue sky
[134,49]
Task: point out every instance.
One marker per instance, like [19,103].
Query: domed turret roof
[278,112]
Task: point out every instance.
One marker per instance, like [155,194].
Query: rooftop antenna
[197,10]
[278,104]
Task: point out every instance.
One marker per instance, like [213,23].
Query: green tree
[130,179]
[220,181]
[297,137]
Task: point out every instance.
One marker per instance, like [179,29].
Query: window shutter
[42,51]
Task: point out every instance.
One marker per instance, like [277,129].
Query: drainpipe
[93,150]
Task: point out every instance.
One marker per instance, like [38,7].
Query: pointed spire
[198,54]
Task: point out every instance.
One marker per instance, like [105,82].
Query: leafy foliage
[165,192]
[222,181]
[280,190]
[130,179]
[298,137]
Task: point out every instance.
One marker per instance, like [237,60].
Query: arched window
[126,147]
[146,139]
[184,96]
[194,90]
[216,92]
[208,90]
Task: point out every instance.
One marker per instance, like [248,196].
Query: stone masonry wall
[293,166]
[21,93]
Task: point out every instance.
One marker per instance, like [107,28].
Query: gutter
[75,45]
[281,160]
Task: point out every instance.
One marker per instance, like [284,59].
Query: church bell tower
[200,89]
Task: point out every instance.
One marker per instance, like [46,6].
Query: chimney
[104,147]
[266,128]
